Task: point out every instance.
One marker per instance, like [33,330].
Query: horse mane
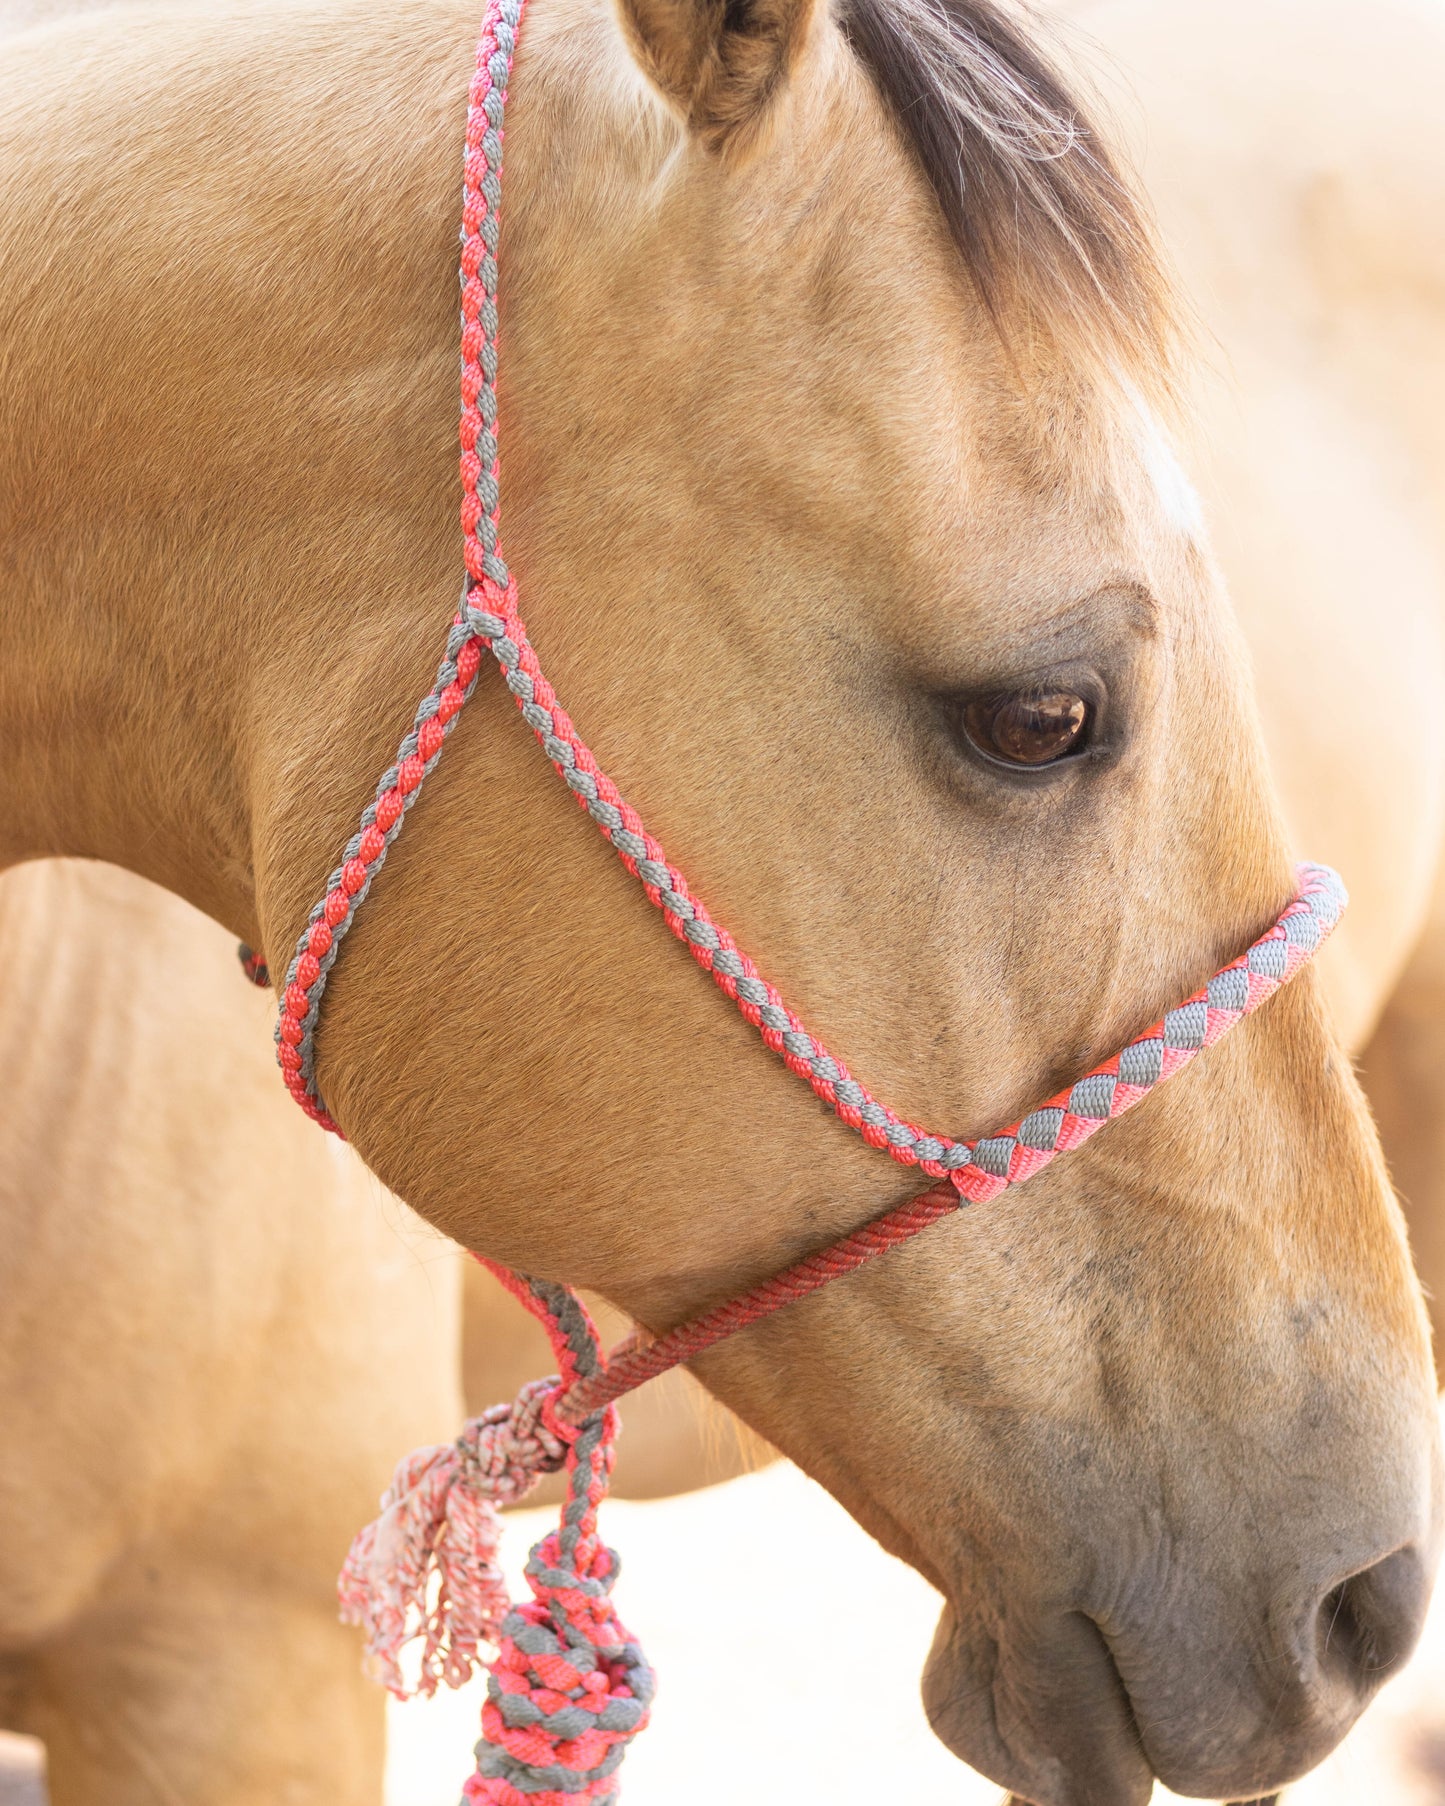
[1053,237]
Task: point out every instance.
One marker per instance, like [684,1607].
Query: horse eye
[1037,728]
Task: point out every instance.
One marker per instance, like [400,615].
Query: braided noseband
[568,1687]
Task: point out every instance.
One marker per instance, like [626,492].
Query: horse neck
[120,707]
[228,546]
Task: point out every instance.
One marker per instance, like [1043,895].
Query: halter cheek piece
[568,1687]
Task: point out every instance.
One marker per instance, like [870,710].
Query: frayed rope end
[426,1569]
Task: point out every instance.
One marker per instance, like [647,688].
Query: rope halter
[568,1687]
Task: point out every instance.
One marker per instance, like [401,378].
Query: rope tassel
[439,1518]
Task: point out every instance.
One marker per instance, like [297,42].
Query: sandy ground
[780,1686]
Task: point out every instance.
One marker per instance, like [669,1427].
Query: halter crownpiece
[568,1686]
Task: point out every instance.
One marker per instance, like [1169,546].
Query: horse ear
[720,62]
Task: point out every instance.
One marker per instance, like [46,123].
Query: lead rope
[568,1687]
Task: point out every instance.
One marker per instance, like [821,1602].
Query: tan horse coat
[217,1334]
[1303,208]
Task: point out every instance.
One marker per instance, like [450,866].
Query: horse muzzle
[1065,1710]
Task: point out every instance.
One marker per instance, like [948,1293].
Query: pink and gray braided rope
[569,1687]
[533,1721]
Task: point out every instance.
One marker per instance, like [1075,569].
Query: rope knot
[506,1450]
[427,1568]
[253,964]
[569,1688]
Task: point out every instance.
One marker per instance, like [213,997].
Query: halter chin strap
[568,1687]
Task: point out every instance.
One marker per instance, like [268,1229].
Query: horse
[216,1331]
[838,375]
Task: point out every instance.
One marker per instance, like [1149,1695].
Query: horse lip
[1102,1761]
[1115,1768]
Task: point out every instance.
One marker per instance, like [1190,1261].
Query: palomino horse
[834,356]
[212,1340]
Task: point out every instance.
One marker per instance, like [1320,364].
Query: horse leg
[1404,1074]
[211,1691]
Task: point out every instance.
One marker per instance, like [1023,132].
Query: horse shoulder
[203,1289]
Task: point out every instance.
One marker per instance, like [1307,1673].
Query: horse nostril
[1368,1624]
